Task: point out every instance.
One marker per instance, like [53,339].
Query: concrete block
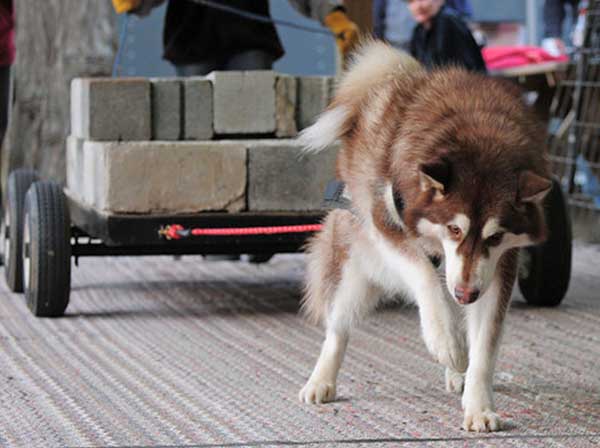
[104,109]
[314,95]
[285,106]
[93,181]
[282,178]
[198,109]
[74,166]
[166,94]
[244,102]
[166,177]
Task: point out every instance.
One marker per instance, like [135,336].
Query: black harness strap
[334,196]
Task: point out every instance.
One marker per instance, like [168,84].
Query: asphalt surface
[159,352]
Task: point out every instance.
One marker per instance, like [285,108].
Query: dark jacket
[462,8]
[448,42]
[193,33]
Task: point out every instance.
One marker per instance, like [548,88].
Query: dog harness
[336,196]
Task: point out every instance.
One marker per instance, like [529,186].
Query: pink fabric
[506,57]
[7,33]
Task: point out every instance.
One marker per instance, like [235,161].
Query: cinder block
[314,95]
[282,178]
[166,109]
[93,182]
[285,106]
[198,109]
[107,109]
[166,177]
[74,166]
[244,102]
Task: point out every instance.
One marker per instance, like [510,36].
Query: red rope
[257,230]
[177,231]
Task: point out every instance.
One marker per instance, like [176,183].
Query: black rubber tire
[17,185]
[544,279]
[47,250]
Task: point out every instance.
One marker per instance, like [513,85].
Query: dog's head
[478,211]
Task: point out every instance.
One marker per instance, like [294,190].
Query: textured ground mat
[164,352]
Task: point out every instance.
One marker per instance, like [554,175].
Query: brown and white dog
[444,164]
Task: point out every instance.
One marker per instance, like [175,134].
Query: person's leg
[250,60]
[197,69]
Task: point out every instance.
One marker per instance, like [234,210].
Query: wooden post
[361,12]
[56,41]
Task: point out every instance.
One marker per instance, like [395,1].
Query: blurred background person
[555,13]
[202,37]
[7,57]
[442,38]
[394,23]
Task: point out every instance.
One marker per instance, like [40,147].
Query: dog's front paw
[317,392]
[455,382]
[485,420]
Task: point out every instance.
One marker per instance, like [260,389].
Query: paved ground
[155,352]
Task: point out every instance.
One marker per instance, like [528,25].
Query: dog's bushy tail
[373,63]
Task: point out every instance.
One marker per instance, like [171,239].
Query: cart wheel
[46,250]
[17,185]
[545,269]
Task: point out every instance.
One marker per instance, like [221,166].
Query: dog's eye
[455,231]
[495,239]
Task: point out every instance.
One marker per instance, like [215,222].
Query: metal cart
[43,229]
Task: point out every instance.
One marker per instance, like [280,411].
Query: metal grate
[574,137]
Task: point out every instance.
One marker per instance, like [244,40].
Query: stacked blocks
[184,145]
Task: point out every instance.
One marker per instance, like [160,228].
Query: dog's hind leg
[485,319]
[353,297]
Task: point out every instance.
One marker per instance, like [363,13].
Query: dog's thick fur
[448,164]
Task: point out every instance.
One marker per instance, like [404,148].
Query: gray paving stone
[282,178]
[198,109]
[166,109]
[165,177]
[107,109]
[244,102]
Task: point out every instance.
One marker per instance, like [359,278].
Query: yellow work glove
[345,30]
[122,6]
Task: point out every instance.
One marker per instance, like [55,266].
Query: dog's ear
[532,187]
[435,176]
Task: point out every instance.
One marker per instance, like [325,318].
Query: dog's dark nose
[465,295]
